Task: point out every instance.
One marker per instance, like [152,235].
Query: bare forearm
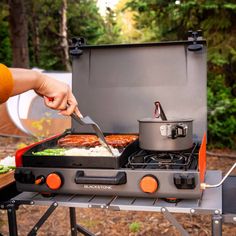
[57,95]
[25,80]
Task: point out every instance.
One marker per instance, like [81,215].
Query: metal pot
[165,135]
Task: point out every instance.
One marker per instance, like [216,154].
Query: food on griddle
[50,152]
[87,145]
[77,140]
[93,151]
[120,140]
[82,151]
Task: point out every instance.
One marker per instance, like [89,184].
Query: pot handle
[179,131]
[159,112]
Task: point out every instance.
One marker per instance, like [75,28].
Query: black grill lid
[117,85]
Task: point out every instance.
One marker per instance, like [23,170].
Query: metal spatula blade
[88,121]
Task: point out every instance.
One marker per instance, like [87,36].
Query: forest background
[37,33]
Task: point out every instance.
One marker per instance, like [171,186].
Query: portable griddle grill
[117,85]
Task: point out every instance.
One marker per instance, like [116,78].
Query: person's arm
[57,95]
[24,80]
[6,83]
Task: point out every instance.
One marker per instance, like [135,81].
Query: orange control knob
[149,184]
[54,181]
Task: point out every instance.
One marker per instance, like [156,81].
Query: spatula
[88,121]
[77,116]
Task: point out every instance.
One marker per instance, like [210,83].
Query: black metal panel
[229,194]
[118,84]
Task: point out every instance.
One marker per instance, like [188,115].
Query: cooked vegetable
[50,152]
[96,151]
[4,170]
[7,164]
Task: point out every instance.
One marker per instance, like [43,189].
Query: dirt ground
[107,222]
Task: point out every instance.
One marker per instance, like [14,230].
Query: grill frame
[118,104]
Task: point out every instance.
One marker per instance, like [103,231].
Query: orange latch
[202,159]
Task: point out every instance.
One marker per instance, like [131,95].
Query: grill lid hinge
[76,43]
[195,37]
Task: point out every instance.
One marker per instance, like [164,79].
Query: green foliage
[5,48]
[85,21]
[111,29]
[221,114]
[135,227]
[44,27]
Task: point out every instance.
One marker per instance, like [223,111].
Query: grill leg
[216,225]
[174,222]
[11,213]
[75,227]
[42,220]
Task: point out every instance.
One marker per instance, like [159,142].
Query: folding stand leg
[41,221]
[216,225]
[75,227]
[11,213]
[173,221]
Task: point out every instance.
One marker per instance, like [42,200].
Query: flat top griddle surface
[105,162]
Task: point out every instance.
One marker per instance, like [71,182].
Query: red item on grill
[81,140]
[120,140]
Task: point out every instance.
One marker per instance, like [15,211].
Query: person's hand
[57,95]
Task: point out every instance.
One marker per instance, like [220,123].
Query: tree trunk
[35,32]
[19,33]
[63,36]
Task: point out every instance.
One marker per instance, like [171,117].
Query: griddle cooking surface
[104,162]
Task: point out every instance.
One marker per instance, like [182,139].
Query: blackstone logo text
[99,187]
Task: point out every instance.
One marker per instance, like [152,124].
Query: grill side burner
[184,160]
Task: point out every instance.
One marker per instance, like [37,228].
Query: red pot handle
[159,111]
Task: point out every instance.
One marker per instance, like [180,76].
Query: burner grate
[183,160]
